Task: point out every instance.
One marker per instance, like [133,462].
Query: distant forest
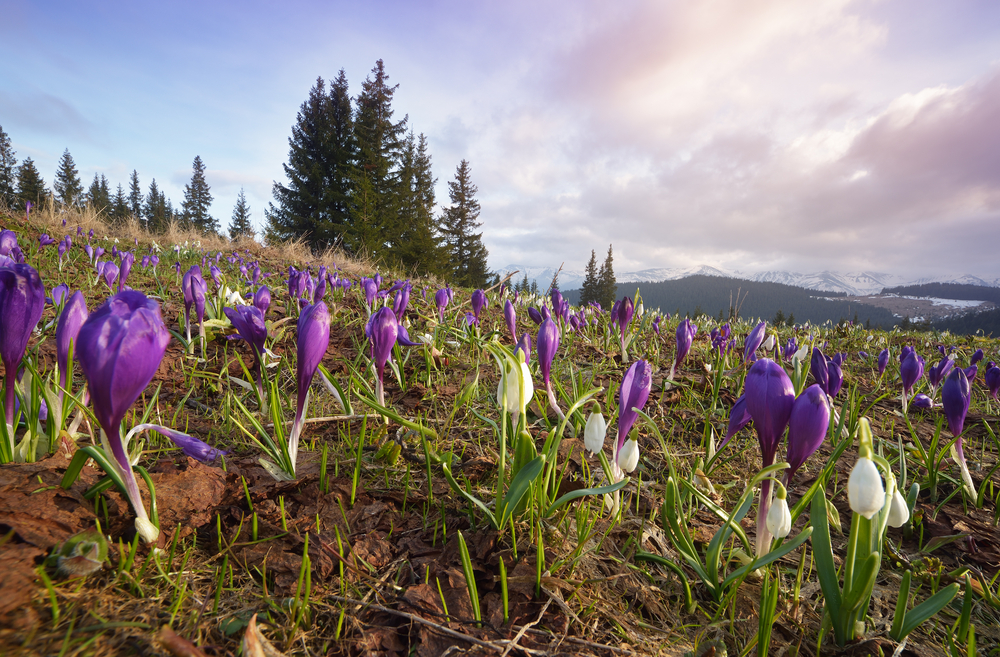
[948,291]
[723,297]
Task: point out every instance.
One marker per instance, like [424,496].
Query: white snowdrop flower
[779,519]
[594,432]
[769,343]
[864,488]
[899,514]
[628,458]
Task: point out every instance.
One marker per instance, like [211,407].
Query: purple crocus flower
[190,445]
[262,300]
[524,346]
[685,336]
[73,316]
[992,378]
[383,330]
[479,302]
[8,242]
[547,345]
[976,357]
[937,373]
[633,394]
[195,288]
[110,274]
[883,361]
[534,315]
[127,260]
[311,343]
[441,299]
[144,262]
[59,294]
[44,240]
[89,250]
[753,342]
[370,288]
[739,417]
[807,427]
[216,275]
[22,300]
[911,368]
[922,401]
[401,300]
[249,324]
[63,248]
[510,317]
[955,396]
[624,317]
[820,370]
[970,373]
[770,396]
[120,348]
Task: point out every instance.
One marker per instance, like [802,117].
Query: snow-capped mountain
[851,283]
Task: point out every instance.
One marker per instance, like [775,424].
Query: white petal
[864,488]
[779,519]
[594,433]
[628,458]
[898,513]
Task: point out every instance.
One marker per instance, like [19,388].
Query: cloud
[47,114]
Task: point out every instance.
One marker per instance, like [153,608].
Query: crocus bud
[911,369]
[73,316]
[524,346]
[864,488]
[22,300]
[779,519]
[547,345]
[628,457]
[883,361]
[441,299]
[596,429]
[976,357]
[535,316]
[753,342]
[992,378]
[685,336]
[899,513]
[262,299]
[807,427]
[922,402]
[478,302]
[955,396]
[633,393]
[510,317]
[770,396]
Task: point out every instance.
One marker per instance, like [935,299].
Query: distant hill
[948,291]
[713,295]
[988,322]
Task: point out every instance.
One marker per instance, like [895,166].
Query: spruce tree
[30,186]
[588,292]
[607,286]
[467,254]
[119,207]
[68,188]
[419,246]
[198,200]
[99,196]
[315,204]
[135,196]
[375,223]
[240,224]
[8,172]
[155,209]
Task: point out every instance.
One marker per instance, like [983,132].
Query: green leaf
[768,558]
[826,569]
[468,496]
[864,581]
[569,497]
[925,610]
[518,488]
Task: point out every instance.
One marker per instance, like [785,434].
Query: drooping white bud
[779,519]
[864,488]
[628,458]
[898,511]
[594,432]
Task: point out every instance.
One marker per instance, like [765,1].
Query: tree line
[362,181]
[23,183]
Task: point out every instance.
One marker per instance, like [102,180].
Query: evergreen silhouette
[375,223]
[198,200]
[315,202]
[135,196]
[607,287]
[467,254]
[588,291]
[8,172]
[240,224]
[155,209]
[99,196]
[30,185]
[119,207]
[67,185]
[419,247]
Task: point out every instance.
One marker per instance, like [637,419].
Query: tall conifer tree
[588,292]
[119,207]
[8,172]
[99,196]
[467,254]
[30,185]
[135,196]
[607,286]
[155,209]
[68,188]
[198,200]
[419,246]
[375,218]
[240,224]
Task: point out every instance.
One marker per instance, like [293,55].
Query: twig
[328,418]
[525,628]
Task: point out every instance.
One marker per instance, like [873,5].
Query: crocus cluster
[22,300]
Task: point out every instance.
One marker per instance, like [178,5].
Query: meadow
[258,451]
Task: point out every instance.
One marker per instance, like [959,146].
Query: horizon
[837,135]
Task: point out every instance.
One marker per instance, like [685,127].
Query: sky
[742,134]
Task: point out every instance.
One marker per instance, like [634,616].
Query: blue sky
[745,134]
